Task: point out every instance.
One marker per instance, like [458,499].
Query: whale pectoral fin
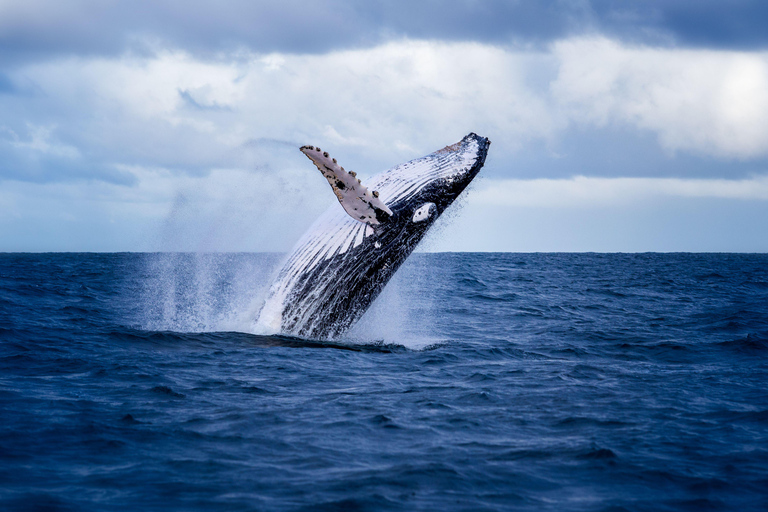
[361,204]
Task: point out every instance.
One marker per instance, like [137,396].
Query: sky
[175,125]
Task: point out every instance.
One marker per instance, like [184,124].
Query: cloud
[44,28]
[714,103]
[33,153]
[185,116]
[382,105]
[227,209]
[203,150]
[554,113]
[735,25]
[6,85]
[41,29]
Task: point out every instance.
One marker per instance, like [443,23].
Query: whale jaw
[340,265]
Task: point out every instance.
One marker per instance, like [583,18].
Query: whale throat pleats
[360,203]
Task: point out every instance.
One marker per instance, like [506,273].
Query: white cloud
[38,141]
[390,102]
[213,140]
[385,103]
[709,102]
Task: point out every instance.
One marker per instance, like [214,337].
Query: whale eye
[424,212]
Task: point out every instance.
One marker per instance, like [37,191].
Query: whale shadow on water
[217,340]
[280,340]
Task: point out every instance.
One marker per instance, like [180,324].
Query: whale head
[419,191]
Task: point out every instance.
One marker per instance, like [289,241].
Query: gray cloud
[190,101]
[113,109]
[588,106]
[735,25]
[41,166]
[619,151]
[39,29]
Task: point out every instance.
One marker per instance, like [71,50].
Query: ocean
[476,382]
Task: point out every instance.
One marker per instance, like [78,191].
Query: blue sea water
[477,382]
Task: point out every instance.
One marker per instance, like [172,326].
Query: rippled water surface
[476,382]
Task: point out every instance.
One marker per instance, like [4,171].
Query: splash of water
[215,292]
[204,292]
[405,312]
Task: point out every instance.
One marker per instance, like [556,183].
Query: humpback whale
[341,264]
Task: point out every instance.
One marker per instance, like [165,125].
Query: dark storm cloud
[42,28]
[733,24]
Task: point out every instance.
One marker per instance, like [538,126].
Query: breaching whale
[341,264]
